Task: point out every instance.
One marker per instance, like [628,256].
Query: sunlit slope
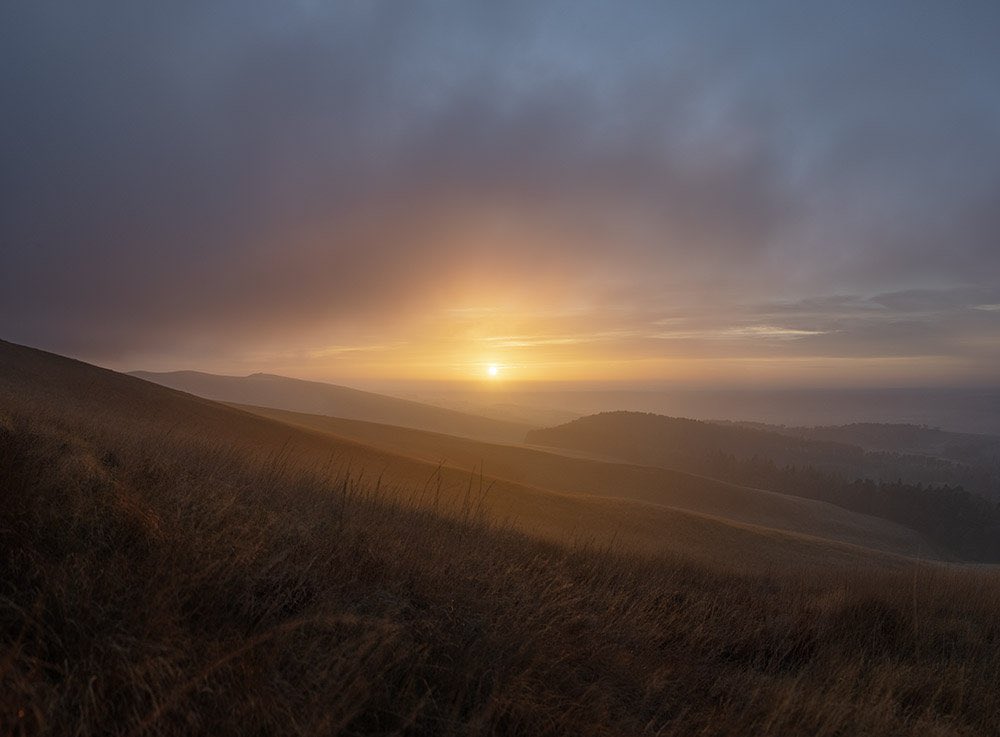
[659,486]
[267,390]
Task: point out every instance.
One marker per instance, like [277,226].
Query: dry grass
[38,384]
[511,466]
[155,582]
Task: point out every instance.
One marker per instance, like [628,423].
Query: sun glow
[493,370]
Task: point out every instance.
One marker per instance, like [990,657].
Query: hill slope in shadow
[899,487]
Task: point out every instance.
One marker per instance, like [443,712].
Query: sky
[645,193]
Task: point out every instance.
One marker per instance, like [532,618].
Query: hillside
[266,390]
[902,438]
[676,440]
[912,453]
[30,379]
[169,565]
[966,523]
[658,486]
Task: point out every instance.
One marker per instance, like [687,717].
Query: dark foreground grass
[152,584]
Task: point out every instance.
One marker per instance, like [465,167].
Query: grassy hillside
[296,395]
[505,464]
[965,523]
[160,574]
[34,383]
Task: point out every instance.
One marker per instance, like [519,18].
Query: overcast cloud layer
[273,184]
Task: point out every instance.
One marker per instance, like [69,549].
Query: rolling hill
[644,509]
[969,459]
[267,390]
[900,438]
[665,440]
[170,565]
[966,523]
[615,480]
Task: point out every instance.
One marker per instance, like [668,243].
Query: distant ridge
[910,453]
[899,438]
[315,397]
[660,440]
[912,489]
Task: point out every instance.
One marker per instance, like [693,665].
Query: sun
[493,370]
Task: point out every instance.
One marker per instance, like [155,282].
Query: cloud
[246,178]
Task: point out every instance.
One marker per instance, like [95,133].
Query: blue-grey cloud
[219,171]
